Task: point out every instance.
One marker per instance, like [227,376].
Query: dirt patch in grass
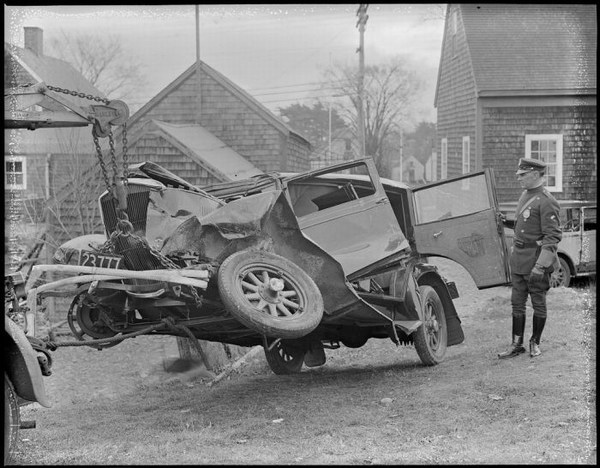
[372,405]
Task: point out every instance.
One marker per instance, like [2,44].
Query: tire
[562,276]
[284,359]
[431,338]
[12,421]
[270,294]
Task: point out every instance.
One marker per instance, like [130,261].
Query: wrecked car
[294,262]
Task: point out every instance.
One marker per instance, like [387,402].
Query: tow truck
[26,360]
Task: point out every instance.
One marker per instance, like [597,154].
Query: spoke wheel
[11,420]
[270,294]
[284,358]
[562,276]
[431,338]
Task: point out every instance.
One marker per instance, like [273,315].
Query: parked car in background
[577,249]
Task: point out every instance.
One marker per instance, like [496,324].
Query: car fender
[569,259]
[22,366]
[426,274]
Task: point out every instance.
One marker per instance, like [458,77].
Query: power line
[294,92]
[299,84]
[301,98]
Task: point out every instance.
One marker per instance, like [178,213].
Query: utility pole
[329,152]
[401,153]
[360,24]
[198,69]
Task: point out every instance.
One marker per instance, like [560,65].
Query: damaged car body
[294,262]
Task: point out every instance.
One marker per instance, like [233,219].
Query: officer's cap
[528,164]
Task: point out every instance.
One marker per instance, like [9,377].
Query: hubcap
[270,292]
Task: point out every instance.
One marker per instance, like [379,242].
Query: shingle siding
[231,120]
[488,92]
[157,150]
[456,102]
[505,128]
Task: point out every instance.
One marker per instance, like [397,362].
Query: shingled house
[206,129]
[38,163]
[515,81]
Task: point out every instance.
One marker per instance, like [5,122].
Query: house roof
[205,149]
[54,72]
[228,84]
[59,73]
[532,49]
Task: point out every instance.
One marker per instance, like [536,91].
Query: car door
[348,215]
[459,219]
[588,239]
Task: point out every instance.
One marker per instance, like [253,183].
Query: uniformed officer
[533,257]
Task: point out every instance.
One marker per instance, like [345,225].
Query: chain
[78,94]
[111,185]
[101,161]
[170,265]
[110,244]
[90,97]
[167,263]
[113,159]
[125,161]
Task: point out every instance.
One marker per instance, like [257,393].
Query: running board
[380,299]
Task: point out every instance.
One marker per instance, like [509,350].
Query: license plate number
[99,260]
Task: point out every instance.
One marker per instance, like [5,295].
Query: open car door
[459,219]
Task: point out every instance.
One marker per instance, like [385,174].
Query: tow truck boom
[58,110]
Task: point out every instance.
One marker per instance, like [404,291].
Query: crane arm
[22,104]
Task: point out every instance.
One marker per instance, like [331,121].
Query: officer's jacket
[537,231]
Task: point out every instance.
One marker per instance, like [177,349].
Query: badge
[526,214]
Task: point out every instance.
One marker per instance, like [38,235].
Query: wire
[294,85]
[295,92]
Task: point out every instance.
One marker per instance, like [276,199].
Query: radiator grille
[137,209]
[136,254]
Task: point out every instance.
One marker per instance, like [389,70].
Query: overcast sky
[275,52]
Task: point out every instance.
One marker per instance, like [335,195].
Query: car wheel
[562,276]
[11,420]
[270,294]
[431,338]
[285,359]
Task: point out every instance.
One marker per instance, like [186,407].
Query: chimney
[34,39]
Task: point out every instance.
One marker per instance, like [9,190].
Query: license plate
[98,260]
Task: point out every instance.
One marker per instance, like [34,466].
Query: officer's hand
[537,274]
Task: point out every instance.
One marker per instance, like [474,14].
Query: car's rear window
[309,195]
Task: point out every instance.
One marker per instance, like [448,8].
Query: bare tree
[68,206]
[389,92]
[102,61]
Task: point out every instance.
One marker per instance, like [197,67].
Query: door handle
[382,201]
[437,234]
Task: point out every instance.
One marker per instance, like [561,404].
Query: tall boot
[518,329]
[534,342]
